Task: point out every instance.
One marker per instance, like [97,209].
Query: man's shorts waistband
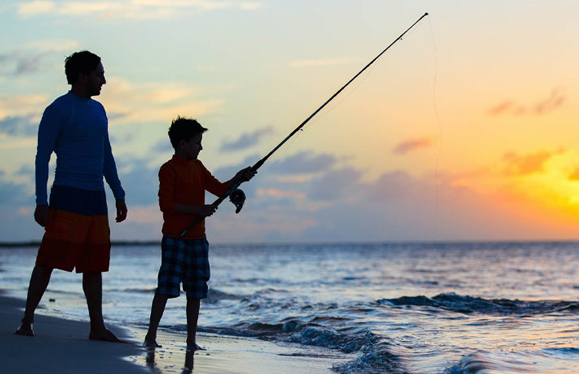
[79,201]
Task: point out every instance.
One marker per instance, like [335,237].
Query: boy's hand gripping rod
[258,164]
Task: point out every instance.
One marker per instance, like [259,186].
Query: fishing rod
[237,196]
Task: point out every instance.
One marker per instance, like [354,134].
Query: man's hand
[41,215]
[121,210]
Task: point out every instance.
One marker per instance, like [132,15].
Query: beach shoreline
[62,346]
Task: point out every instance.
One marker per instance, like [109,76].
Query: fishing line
[363,78]
[434,86]
[233,189]
[321,116]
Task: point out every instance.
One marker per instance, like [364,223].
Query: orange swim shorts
[75,239]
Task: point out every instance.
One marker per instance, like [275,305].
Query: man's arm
[121,210]
[48,133]
[112,178]
[41,215]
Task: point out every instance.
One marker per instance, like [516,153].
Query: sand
[62,346]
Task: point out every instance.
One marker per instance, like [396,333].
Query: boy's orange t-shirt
[185,182]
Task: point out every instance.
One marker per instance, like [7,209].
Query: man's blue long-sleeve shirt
[76,129]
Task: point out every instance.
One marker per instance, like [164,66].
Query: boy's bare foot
[194,347]
[105,336]
[25,329]
[151,344]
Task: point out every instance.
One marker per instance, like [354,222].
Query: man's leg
[193,306]
[38,282]
[157,309]
[92,284]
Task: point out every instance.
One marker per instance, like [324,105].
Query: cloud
[528,164]
[23,143]
[139,180]
[574,176]
[35,56]
[23,65]
[35,7]
[127,102]
[412,145]
[163,146]
[554,101]
[320,63]
[246,140]
[305,162]
[336,184]
[19,106]
[19,125]
[13,194]
[339,206]
[146,215]
[334,204]
[14,64]
[393,185]
[280,193]
[129,9]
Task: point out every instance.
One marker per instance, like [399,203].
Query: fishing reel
[237,197]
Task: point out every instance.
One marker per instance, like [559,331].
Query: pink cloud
[528,164]
[575,175]
[555,100]
[412,145]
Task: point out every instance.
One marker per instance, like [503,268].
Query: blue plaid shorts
[187,262]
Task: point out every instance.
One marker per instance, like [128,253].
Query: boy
[182,184]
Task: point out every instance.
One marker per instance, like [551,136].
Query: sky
[464,130]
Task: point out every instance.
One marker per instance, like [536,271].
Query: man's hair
[80,62]
[184,129]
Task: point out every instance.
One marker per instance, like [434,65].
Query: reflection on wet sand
[187,368]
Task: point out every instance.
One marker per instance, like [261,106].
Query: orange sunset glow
[464,130]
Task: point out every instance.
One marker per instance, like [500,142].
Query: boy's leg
[193,306]
[92,284]
[157,309]
[38,282]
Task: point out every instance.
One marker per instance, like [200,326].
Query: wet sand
[62,346]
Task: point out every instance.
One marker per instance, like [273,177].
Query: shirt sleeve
[212,184]
[167,189]
[48,132]
[110,171]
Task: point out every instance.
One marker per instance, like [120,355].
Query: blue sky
[464,130]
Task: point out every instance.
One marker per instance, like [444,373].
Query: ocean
[415,308]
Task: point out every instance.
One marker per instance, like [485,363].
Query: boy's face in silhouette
[192,147]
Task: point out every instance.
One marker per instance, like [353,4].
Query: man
[77,234]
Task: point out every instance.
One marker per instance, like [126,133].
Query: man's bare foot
[105,336]
[25,329]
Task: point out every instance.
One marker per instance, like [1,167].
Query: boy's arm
[167,180]
[244,175]
[201,210]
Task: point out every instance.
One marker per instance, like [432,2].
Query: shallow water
[426,308]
